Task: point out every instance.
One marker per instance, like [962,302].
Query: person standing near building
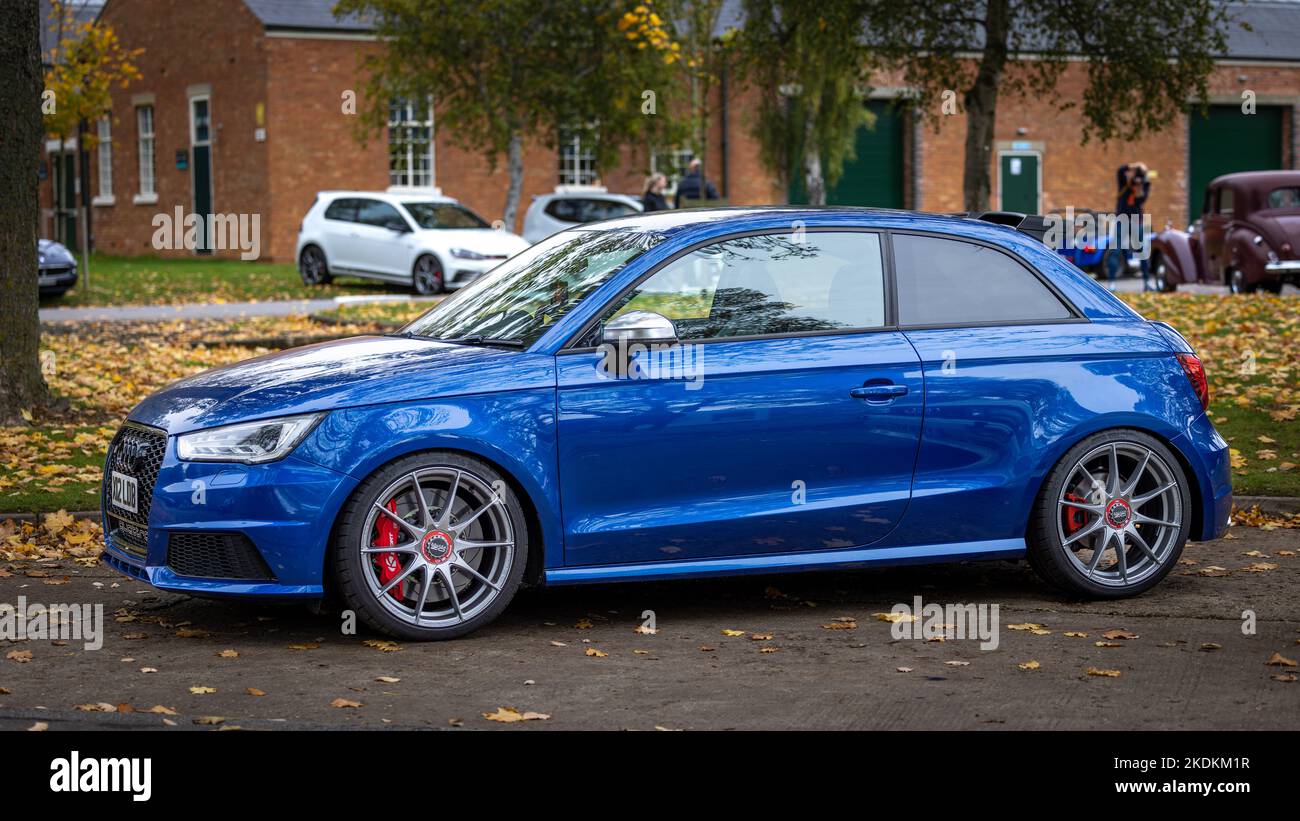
[652,196]
[693,186]
[1134,187]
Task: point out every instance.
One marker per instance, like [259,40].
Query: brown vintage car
[1248,236]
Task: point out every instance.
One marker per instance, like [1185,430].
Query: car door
[1214,231]
[786,420]
[339,233]
[380,248]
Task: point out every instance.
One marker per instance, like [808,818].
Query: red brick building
[241,109]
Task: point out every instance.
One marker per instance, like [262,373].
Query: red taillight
[1088,249]
[1196,375]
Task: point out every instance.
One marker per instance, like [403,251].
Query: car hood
[366,370]
[48,250]
[483,240]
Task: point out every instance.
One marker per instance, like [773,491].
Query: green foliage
[85,63]
[1146,57]
[810,66]
[501,70]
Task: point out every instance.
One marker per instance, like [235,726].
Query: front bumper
[284,509]
[461,272]
[1290,266]
[56,279]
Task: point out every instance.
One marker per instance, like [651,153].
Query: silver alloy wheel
[313,266]
[1120,514]
[1162,276]
[428,276]
[451,543]
[1237,281]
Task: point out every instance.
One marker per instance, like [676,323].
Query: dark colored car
[1246,238]
[56,268]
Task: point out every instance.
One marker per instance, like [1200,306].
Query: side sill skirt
[791,562]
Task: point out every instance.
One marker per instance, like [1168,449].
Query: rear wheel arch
[1197,510]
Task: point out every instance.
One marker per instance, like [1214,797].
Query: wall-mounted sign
[182,160]
[1021,145]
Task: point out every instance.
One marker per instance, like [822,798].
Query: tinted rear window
[951,282]
[581,211]
[344,210]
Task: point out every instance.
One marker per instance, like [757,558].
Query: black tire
[1160,273]
[313,268]
[1059,564]
[1237,283]
[427,277]
[1272,286]
[360,575]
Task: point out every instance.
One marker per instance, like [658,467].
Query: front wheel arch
[535,561]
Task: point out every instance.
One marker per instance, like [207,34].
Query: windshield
[443,215]
[525,295]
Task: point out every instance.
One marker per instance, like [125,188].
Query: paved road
[817,678]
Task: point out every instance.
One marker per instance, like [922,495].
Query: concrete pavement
[1190,666]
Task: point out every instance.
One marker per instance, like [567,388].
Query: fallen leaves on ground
[345,703]
[1029,665]
[1093,671]
[510,715]
[1279,660]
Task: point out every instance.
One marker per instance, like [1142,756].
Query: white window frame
[104,155]
[146,152]
[402,146]
[577,164]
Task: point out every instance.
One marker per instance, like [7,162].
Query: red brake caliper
[1074,517]
[387,563]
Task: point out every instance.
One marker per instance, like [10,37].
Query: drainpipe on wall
[83,180]
[722,103]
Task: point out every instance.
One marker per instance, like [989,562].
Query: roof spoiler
[1033,225]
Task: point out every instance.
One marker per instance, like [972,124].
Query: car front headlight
[248,442]
[465,253]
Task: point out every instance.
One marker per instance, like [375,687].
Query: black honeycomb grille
[137,451]
[216,556]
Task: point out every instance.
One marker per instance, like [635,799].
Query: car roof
[764,216]
[1258,179]
[412,195]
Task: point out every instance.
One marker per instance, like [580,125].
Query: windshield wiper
[462,340]
[484,340]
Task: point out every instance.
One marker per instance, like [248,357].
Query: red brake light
[1196,375]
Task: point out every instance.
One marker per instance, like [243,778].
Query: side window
[566,210]
[343,210]
[951,282]
[769,284]
[374,212]
[1225,201]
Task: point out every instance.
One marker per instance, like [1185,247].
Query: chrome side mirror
[645,327]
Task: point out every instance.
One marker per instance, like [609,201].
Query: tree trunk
[21,384]
[982,108]
[515,164]
[814,179]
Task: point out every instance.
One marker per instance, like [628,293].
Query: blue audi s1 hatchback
[680,394]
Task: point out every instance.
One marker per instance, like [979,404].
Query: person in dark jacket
[693,186]
[652,196]
[1134,188]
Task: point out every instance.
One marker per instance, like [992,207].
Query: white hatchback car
[425,240]
[572,205]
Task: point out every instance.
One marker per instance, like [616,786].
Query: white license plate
[123,490]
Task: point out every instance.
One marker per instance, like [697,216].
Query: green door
[201,181]
[1227,140]
[1018,183]
[875,176]
[65,194]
